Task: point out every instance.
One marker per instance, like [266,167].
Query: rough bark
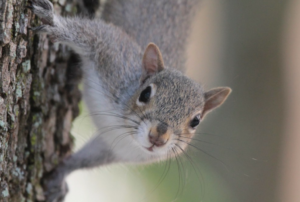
[38,100]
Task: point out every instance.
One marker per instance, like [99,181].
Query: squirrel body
[142,104]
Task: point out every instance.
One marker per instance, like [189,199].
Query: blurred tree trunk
[290,158]
[38,101]
[252,59]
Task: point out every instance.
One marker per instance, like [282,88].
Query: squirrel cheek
[142,133]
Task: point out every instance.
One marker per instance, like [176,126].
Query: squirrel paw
[43,9]
[56,188]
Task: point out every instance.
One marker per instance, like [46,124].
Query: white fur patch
[142,134]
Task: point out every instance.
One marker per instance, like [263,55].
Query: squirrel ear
[152,60]
[215,98]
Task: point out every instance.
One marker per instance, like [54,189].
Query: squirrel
[133,62]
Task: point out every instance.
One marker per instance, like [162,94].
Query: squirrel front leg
[99,44]
[95,153]
[75,32]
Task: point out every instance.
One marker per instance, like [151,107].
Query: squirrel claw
[43,9]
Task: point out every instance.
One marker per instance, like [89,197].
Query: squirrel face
[168,107]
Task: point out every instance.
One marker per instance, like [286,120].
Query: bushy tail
[164,22]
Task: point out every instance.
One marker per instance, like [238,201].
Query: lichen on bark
[38,101]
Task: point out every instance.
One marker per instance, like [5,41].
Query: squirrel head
[169,106]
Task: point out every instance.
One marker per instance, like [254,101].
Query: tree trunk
[38,100]
[253,68]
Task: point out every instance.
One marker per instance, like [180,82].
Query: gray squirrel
[146,109]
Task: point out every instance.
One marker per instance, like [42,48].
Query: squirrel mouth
[150,148]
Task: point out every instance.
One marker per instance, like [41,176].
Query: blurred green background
[241,146]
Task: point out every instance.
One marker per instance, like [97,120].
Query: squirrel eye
[195,122]
[145,95]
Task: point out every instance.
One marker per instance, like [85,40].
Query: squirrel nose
[160,136]
[157,141]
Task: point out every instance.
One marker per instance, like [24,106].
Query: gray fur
[163,22]
[177,97]
[42,8]
[112,62]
